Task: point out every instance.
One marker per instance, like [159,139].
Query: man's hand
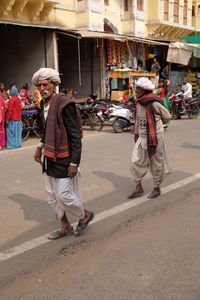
[72,171]
[7,122]
[136,136]
[38,154]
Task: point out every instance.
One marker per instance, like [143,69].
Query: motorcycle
[90,116]
[108,109]
[192,106]
[122,118]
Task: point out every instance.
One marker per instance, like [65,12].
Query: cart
[31,123]
[125,76]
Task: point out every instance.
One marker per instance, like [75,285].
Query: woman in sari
[24,95]
[2,129]
[13,120]
[162,92]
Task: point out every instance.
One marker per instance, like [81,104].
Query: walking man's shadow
[34,209]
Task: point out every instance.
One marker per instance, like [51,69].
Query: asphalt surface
[150,251]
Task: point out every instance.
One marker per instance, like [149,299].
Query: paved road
[138,250]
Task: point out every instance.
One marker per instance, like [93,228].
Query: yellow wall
[152,10]
[76,14]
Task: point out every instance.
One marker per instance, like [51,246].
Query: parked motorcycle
[192,106]
[122,118]
[90,116]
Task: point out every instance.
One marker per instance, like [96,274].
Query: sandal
[81,226]
[135,194]
[154,195]
[57,235]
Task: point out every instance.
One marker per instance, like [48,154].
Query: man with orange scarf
[149,151]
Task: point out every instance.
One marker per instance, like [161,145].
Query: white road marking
[99,217]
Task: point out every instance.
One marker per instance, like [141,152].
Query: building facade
[31,38]
[159,19]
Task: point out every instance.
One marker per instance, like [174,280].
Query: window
[166,10]
[198,11]
[140,5]
[185,12]
[176,11]
[106,2]
[125,5]
[193,10]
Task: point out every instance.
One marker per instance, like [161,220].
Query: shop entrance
[23,52]
[79,65]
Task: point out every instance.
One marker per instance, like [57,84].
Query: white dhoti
[158,164]
[64,194]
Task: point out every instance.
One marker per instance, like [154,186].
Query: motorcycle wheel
[117,127]
[193,114]
[96,123]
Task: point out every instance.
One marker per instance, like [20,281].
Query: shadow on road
[34,209]
[190,146]
[38,210]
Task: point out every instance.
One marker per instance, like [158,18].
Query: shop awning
[108,35]
[179,53]
[89,33]
[192,38]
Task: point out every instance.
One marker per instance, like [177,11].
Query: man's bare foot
[87,216]
[155,193]
[137,192]
[65,229]
[83,223]
[156,190]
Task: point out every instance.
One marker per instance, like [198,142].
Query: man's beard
[46,94]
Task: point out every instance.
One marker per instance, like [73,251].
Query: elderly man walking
[149,151]
[61,146]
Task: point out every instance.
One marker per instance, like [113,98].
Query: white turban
[145,83]
[46,74]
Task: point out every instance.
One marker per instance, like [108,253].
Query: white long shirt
[187,90]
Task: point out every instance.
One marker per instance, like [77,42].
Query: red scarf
[152,140]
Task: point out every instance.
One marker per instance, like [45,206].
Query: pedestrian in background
[149,151]
[186,92]
[62,153]
[9,91]
[37,97]
[156,68]
[2,129]
[162,92]
[24,95]
[3,92]
[13,120]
